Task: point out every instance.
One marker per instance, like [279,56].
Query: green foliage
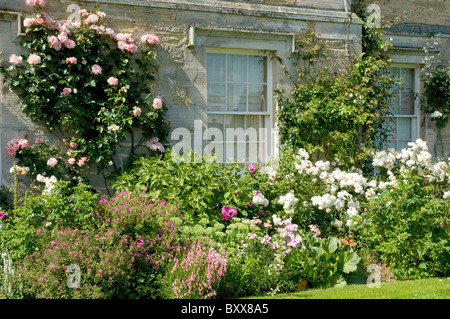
[200,187]
[436,95]
[65,206]
[335,111]
[323,262]
[408,228]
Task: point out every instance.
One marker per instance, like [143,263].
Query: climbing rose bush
[88,85]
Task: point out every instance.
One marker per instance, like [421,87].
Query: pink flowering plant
[104,257]
[88,86]
[196,273]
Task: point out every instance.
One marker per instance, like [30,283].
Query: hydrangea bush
[88,85]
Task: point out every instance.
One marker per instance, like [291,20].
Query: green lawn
[433,288]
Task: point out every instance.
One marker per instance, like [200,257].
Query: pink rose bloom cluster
[14,59]
[34,59]
[62,39]
[113,81]
[137,111]
[150,39]
[52,162]
[71,60]
[96,69]
[28,22]
[36,3]
[228,212]
[16,144]
[157,103]
[125,42]
[155,145]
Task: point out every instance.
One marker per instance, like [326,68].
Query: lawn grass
[432,288]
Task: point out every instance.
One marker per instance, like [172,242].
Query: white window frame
[268,147]
[416,114]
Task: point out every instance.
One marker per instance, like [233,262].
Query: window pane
[237,123]
[404,128]
[254,152]
[215,67]
[237,97]
[395,107]
[257,98]
[255,123]
[216,121]
[407,93]
[216,96]
[256,69]
[237,68]
[402,144]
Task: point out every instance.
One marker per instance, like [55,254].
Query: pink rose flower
[52,162]
[150,39]
[28,22]
[63,37]
[73,144]
[34,59]
[71,161]
[37,140]
[137,111]
[71,60]
[251,168]
[113,81]
[67,91]
[96,69]
[14,59]
[54,43]
[70,44]
[157,103]
[23,143]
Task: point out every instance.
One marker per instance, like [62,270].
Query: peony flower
[157,103]
[113,81]
[14,59]
[52,162]
[67,91]
[34,59]
[228,212]
[96,69]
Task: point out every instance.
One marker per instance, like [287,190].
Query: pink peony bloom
[137,111]
[52,162]
[96,69]
[113,81]
[67,91]
[14,59]
[150,39]
[228,212]
[157,103]
[34,59]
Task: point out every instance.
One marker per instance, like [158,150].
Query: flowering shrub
[196,273]
[80,83]
[104,258]
[59,206]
